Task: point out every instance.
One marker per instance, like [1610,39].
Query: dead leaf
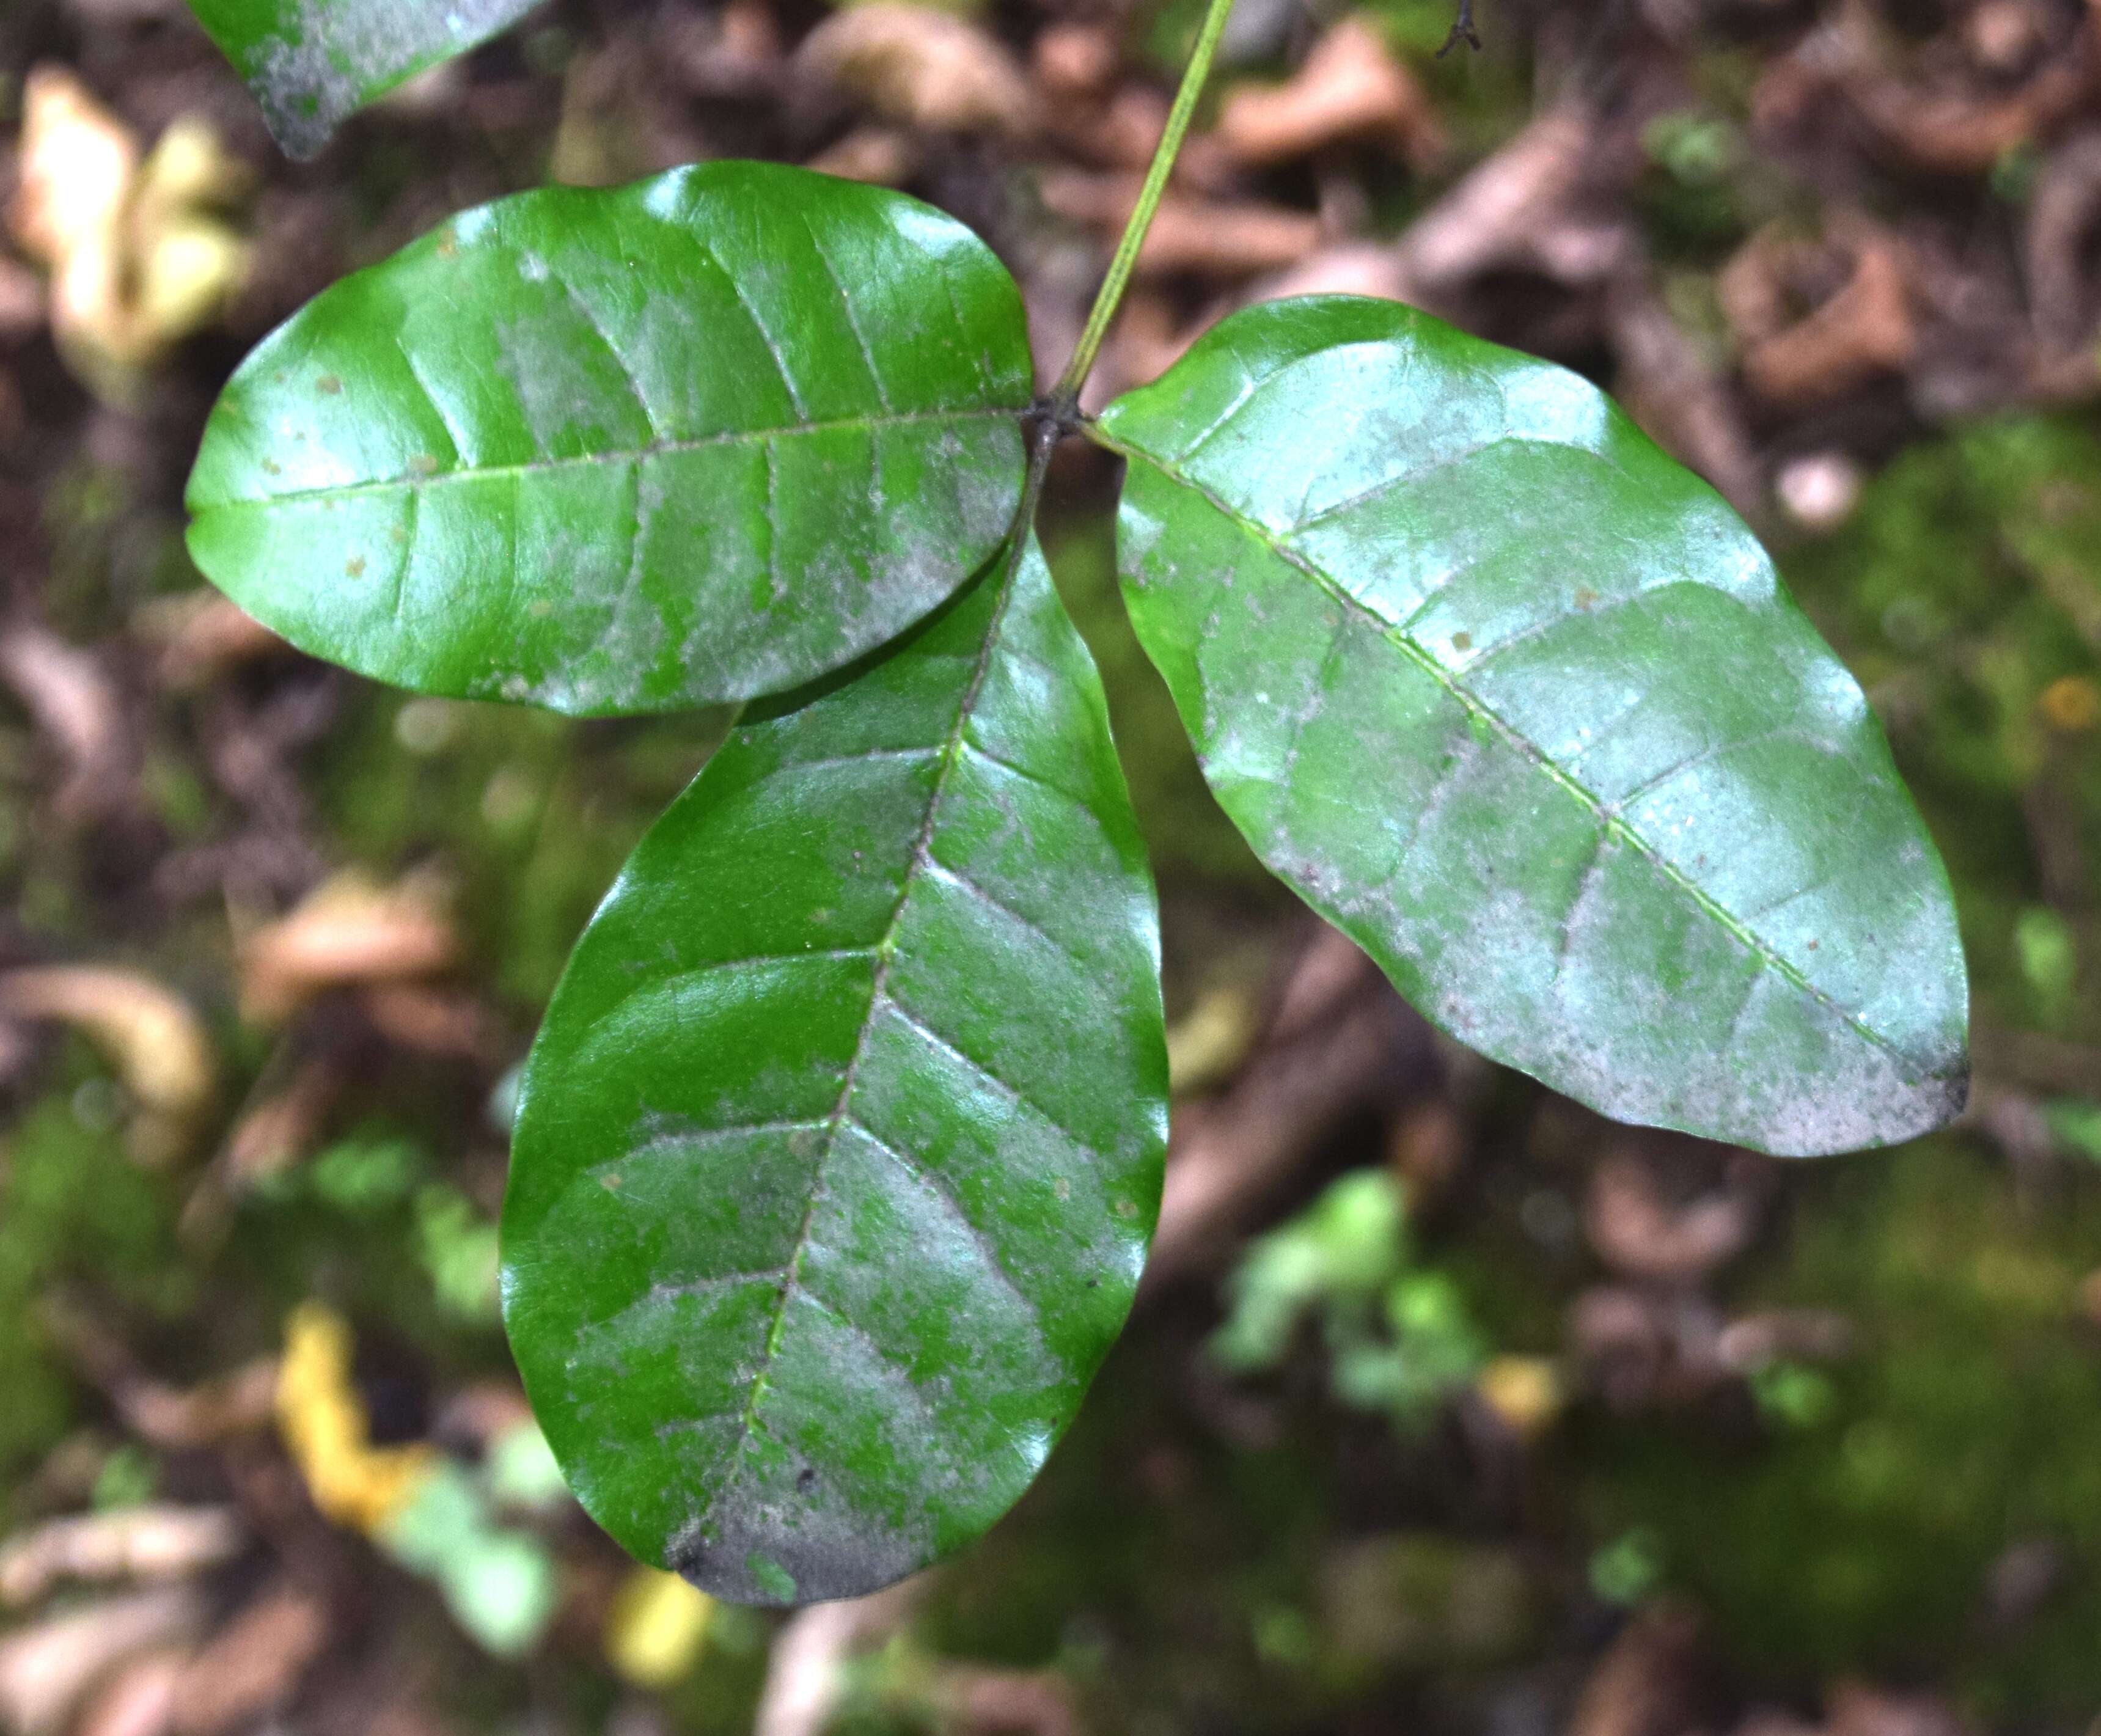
[139,1699]
[2070,705]
[349,931]
[202,638]
[1862,328]
[138,257]
[1955,132]
[1074,59]
[807,1670]
[435,1022]
[881,156]
[1207,238]
[1207,1045]
[1645,1684]
[1677,396]
[1147,338]
[46,1670]
[1523,207]
[1807,1334]
[2089,1297]
[253,1666]
[1339,1042]
[22,302]
[1351,89]
[277,1132]
[76,704]
[151,1542]
[1346,268]
[920,67]
[326,1429]
[1015,1703]
[1637,1232]
[1425,1148]
[1819,490]
[204,1414]
[2003,35]
[1857,1709]
[150,1034]
[1525,1392]
[172,1418]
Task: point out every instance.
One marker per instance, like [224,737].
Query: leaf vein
[597,331]
[965,883]
[948,1046]
[847,307]
[943,1189]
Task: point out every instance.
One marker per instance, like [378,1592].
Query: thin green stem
[1066,397]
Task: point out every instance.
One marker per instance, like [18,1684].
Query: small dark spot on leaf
[609,1182]
[1586,598]
[1463,642]
[423,464]
[354,567]
[330,386]
[805,1478]
[1812,946]
[271,467]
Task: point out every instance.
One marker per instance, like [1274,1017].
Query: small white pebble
[1820,491]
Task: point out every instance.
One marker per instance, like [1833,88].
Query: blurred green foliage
[74,1208]
[1967,593]
[1398,1336]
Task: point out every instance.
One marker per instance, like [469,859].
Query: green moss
[1861,1539]
[1967,583]
[73,1209]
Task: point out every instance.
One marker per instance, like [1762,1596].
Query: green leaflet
[1520,704]
[312,63]
[702,437]
[841,1144]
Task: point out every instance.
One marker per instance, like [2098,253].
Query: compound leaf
[699,438]
[1520,706]
[311,63]
[840,1146]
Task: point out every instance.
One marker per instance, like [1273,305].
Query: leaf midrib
[621,455]
[1609,823]
[884,950]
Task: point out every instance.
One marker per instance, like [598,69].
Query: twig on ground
[1462,31]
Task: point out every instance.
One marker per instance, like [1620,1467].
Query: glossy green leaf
[841,1145]
[1520,704]
[312,63]
[705,436]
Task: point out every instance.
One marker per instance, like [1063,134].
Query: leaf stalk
[1065,396]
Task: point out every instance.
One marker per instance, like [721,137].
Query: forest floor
[1448,1406]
